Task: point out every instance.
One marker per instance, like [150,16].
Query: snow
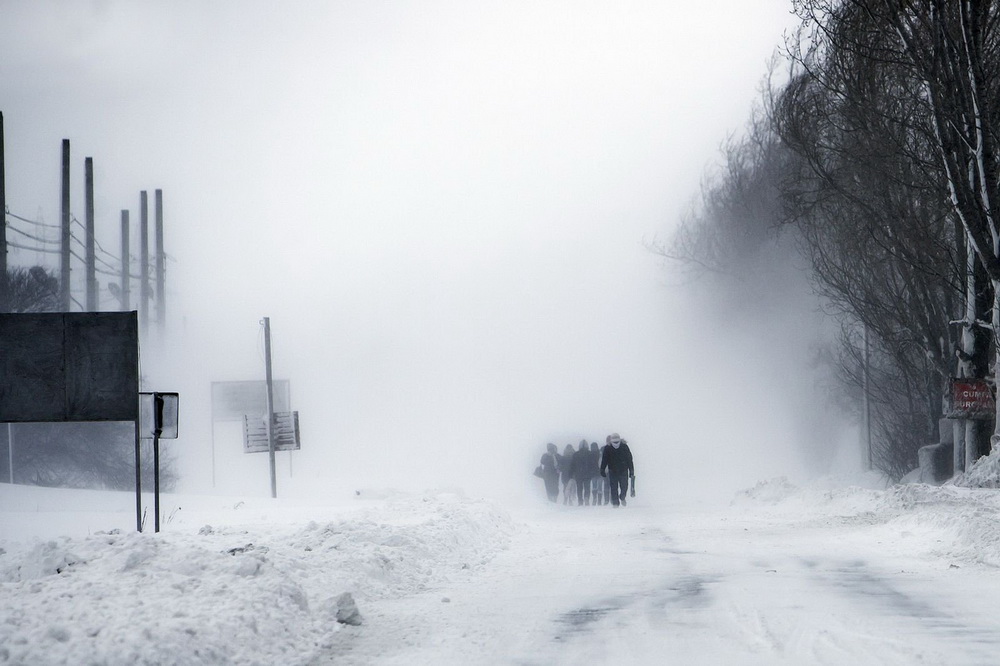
[783,574]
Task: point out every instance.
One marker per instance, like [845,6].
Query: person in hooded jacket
[583,470]
[616,463]
[550,472]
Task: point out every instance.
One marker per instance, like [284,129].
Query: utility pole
[270,403]
[3,227]
[91,256]
[161,303]
[143,263]
[64,294]
[124,278]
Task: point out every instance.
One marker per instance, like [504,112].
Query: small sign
[286,433]
[164,405]
[972,399]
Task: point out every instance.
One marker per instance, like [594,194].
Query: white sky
[440,205]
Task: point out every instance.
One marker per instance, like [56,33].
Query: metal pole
[90,257]
[213,435]
[161,303]
[867,402]
[270,403]
[64,299]
[10,451]
[157,429]
[138,480]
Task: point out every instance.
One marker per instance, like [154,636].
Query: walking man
[616,464]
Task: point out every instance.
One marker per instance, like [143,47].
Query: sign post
[270,404]
[158,418]
[234,400]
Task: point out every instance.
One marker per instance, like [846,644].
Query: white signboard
[231,401]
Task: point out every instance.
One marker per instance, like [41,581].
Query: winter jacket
[548,463]
[566,465]
[584,465]
[617,460]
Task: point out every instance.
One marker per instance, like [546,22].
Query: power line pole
[3,226]
[64,295]
[91,256]
[124,279]
[143,262]
[161,303]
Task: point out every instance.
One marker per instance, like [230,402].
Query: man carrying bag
[616,464]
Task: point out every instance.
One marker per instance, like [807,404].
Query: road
[664,584]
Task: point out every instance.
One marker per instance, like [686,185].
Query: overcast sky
[442,207]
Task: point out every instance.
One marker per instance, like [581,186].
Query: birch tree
[945,55]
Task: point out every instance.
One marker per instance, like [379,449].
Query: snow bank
[228,592]
[985,473]
[942,521]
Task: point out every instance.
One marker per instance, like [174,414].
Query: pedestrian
[583,470]
[566,472]
[548,469]
[597,482]
[616,462]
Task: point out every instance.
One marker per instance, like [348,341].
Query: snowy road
[783,575]
[645,586]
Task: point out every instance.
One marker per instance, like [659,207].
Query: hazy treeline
[877,155]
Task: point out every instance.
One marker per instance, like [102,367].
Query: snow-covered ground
[782,574]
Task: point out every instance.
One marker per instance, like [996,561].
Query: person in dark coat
[550,472]
[597,482]
[616,463]
[566,471]
[583,470]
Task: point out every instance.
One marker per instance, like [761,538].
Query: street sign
[286,433]
[168,415]
[971,399]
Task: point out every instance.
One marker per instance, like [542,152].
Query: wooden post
[124,278]
[143,263]
[3,227]
[161,303]
[64,294]
[91,256]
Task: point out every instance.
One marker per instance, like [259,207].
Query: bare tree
[30,290]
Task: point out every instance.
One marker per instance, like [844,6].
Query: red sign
[972,399]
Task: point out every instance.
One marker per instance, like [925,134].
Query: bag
[538,471]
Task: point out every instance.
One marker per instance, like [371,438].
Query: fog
[443,208]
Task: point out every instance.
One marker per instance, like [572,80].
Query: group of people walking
[594,475]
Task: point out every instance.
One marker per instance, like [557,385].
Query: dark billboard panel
[69,367]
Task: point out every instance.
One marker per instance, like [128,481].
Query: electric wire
[109,270]
[32,237]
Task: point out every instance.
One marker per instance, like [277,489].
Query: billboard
[80,366]
[231,401]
